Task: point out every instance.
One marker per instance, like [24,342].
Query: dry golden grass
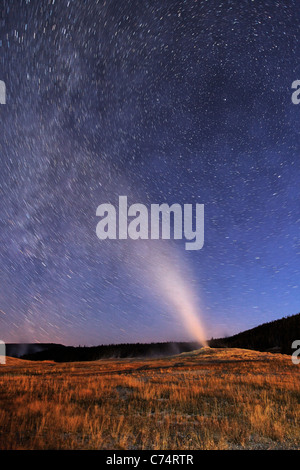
[210,399]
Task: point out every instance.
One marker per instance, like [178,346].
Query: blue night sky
[165,102]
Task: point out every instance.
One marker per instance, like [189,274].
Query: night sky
[163,101]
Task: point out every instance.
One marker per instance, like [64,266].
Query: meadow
[207,399]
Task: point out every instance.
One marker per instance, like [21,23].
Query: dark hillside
[276,336]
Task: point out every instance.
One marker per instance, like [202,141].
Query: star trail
[185,102]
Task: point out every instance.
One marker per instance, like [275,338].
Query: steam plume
[173,284]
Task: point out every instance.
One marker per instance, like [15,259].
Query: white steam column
[173,285]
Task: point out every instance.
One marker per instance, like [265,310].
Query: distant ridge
[21,349]
[275,336]
[60,353]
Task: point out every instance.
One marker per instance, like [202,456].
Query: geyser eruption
[174,286]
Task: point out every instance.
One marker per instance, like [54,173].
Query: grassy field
[209,399]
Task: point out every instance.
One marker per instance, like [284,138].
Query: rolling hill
[275,336]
